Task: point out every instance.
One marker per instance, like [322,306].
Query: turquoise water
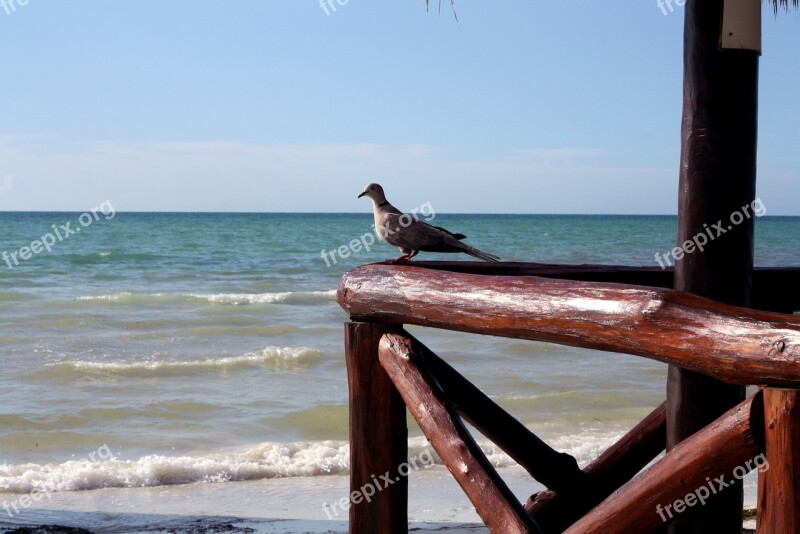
[208,347]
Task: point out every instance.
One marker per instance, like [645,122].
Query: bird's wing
[410,235]
[457,236]
[418,235]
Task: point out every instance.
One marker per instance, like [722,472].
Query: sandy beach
[264,506]
[270,506]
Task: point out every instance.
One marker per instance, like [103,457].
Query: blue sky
[274,105]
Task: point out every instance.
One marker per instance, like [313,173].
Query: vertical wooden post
[378,436]
[717,178]
[779,484]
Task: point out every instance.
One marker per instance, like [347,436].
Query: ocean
[155,361]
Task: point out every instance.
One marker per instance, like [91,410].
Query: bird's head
[375,192]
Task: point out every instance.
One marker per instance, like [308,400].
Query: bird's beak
[362,194]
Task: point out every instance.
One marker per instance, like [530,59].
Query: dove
[411,235]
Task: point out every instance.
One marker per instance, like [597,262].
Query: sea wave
[289,297]
[15,296]
[110,256]
[262,461]
[267,460]
[230,299]
[272,357]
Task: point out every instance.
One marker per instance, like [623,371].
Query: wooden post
[378,436]
[717,180]
[779,481]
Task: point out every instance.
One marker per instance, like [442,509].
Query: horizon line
[191,212]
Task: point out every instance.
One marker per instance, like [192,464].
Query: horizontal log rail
[497,506]
[736,345]
[775,289]
[717,450]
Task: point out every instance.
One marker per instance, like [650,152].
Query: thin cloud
[233,176]
[558,155]
[7,184]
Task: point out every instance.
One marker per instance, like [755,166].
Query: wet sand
[270,506]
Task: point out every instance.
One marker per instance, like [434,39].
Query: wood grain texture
[378,435]
[733,344]
[497,506]
[730,441]
[717,183]
[779,484]
[775,289]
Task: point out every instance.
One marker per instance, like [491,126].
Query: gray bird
[411,235]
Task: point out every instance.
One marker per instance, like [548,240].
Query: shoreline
[267,506]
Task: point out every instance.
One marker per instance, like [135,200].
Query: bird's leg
[406,258]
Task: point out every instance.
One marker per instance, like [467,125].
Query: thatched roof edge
[775,4]
[784,3]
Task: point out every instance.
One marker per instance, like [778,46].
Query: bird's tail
[478,253]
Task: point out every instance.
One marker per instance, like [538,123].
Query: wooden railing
[389,370]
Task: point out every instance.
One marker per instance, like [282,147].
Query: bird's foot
[402,259]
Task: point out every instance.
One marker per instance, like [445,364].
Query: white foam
[583,447]
[289,297]
[231,299]
[275,357]
[268,460]
[113,297]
